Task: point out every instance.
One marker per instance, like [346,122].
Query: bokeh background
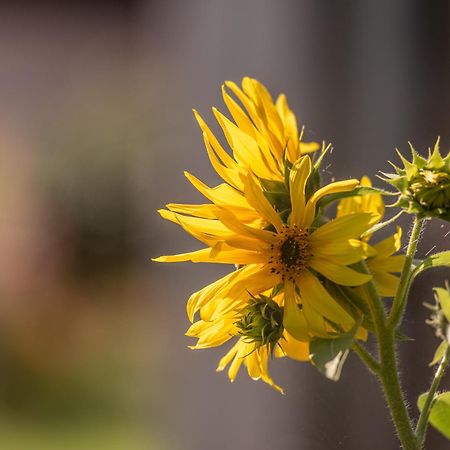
[95,132]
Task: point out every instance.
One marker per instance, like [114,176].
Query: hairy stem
[390,380]
[372,364]
[399,304]
[431,397]
[388,373]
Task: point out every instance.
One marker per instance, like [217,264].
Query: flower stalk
[422,424]
[399,304]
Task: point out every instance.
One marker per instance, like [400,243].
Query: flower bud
[424,184]
[261,322]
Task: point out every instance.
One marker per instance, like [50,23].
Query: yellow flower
[384,264]
[217,330]
[293,255]
[262,136]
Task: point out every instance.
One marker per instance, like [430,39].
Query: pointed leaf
[443,297]
[329,355]
[440,412]
[439,353]
[437,260]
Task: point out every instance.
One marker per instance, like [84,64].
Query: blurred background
[95,132]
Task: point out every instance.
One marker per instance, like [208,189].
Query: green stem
[431,397]
[388,372]
[371,363]
[389,377]
[399,304]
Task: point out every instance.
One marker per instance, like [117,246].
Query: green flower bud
[261,322]
[423,184]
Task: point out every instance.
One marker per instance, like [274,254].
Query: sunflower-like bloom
[263,137]
[383,263]
[288,257]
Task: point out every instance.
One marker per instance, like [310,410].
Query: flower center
[290,255]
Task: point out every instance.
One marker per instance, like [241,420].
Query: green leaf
[440,412]
[329,355]
[439,353]
[402,337]
[443,297]
[361,190]
[437,260]
[353,303]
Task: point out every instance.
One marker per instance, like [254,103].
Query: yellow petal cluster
[261,134]
[241,227]
[384,263]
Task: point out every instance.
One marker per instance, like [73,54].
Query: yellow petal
[246,101]
[341,229]
[202,211]
[228,356]
[212,334]
[239,116]
[234,224]
[294,319]
[297,181]
[228,256]
[292,348]
[362,203]
[231,176]
[308,147]
[254,281]
[313,293]
[290,126]
[223,155]
[389,246]
[242,351]
[332,188]
[391,264]
[386,283]
[344,252]
[253,365]
[339,274]
[205,230]
[257,199]
[223,194]
[206,294]
[245,148]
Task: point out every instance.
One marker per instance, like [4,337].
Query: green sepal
[329,355]
[381,225]
[402,337]
[360,190]
[440,412]
[287,171]
[276,193]
[313,183]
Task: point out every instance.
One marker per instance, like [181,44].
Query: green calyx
[261,322]
[423,184]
